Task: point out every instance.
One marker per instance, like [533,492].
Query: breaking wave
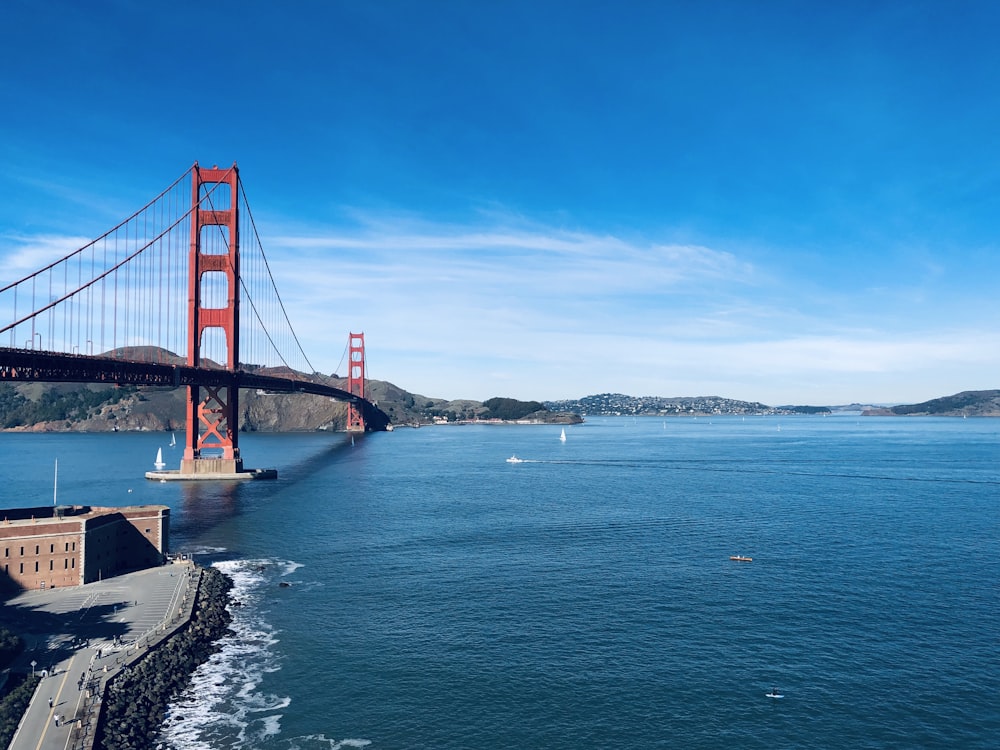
[224,706]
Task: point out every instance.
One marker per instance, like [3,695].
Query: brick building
[72,545]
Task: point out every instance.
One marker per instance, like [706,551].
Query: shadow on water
[203,506]
[307,467]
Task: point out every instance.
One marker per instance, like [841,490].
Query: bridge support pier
[210,469]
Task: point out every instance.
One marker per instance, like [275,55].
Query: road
[79,637]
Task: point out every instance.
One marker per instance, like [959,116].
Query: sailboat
[173,440]
[562,435]
[159,459]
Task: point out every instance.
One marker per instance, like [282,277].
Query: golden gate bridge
[185,273]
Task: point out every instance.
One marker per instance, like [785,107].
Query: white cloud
[21,255]
[454,311]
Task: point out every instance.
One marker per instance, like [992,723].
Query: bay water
[413,589]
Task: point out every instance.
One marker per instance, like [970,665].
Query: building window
[22,551]
[6,551]
[21,570]
[36,566]
[67,546]
[72,562]
[147,531]
[65,564]
[74,546]
[52,548]
[36,549]
[52,564]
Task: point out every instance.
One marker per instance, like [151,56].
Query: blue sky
[782,202]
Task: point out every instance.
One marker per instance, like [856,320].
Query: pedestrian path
[81,637]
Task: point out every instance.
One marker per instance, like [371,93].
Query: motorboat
[515,460]
[740,558]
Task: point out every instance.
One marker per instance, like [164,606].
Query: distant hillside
[964,404]
[405,408]
[74,407]
[62,407]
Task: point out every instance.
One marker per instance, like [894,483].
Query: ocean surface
[441,597]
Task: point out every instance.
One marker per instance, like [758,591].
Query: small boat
[774,694]
[173,440]
[159,459]
[562,435]
[740,558]
[515,460]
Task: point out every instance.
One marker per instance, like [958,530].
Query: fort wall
[72,545]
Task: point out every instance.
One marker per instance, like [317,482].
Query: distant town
[618,405]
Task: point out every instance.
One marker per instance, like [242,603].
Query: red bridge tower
[356,381]
[211,445]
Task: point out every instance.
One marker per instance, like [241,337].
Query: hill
[964,404]
[61,407]
[74,407]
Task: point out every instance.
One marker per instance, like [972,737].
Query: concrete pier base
[211,469]
[208,476]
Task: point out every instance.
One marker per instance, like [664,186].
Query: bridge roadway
[82,636]
[50,367]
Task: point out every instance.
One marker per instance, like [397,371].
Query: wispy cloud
[22,254]
[540,310]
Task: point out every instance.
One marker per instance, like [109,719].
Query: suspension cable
[270,276]
[103,236]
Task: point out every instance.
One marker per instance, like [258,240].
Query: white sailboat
[173,440]
[562,435]
[159,459]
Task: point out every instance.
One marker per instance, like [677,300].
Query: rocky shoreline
[136,700]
